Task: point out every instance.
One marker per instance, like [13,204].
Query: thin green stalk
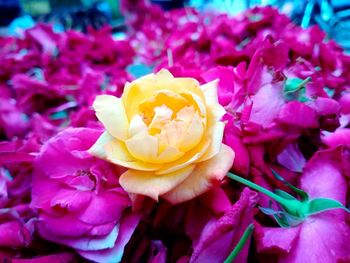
[247,233]
[303,83]
[259,188]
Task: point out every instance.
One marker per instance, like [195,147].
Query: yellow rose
[167,132]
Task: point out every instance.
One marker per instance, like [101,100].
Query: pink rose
[78,198]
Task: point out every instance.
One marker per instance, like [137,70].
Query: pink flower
[220,236]
[78,198]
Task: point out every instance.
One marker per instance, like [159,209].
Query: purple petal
[292,158]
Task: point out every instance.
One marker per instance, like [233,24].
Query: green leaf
[240,245]
[319,205]
[302,194]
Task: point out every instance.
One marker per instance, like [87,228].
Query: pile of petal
[286,93]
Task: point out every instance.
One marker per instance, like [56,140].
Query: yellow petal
[193,134]
[150,184]
[134,93]
[117,153]
[183,85]
[206,175]
[110,111]
[143,88]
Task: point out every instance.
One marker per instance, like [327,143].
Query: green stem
[259,188]
[303,83]
[247,233]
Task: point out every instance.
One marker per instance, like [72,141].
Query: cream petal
[164,73]
[110,111]
[137,126]
[98,149]
[210,91]
[117,153]
[162,115]
[216,134]
[195,100]
[193,134]
[150,184]
[185,114]
[143,147]
[189,158]
[212,100]
[170,154]
[206,175]
[171,134]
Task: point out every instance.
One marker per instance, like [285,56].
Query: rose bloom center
[169,124]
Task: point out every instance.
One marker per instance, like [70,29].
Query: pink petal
[337,138]
[13,234]
[298,114]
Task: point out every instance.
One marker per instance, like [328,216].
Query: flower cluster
[98,166]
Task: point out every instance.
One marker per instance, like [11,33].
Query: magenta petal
[242,159]
[64,150]
[71,200]
[92,243]
[276,239]
[267,103]
[339,137]
[216,200]
[115,254]
[226,230]
[320,238]
[104,208]
[13,234]
[226,80]
[55,258]
[298,114]
[325,106]
[323,176]
[61,226]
